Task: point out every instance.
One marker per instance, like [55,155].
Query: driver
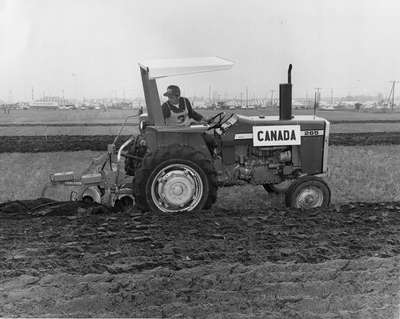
[177,110]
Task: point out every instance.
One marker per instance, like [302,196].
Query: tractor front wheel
[308,192]
[176,179]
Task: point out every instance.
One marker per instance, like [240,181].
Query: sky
[91,48]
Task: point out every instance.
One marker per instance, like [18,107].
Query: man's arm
[192,113]
[165,110]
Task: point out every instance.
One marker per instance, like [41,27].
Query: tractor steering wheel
[212,120]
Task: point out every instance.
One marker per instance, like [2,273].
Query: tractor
[179,168]
[171,168]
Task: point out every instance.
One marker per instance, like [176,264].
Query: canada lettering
[274,135]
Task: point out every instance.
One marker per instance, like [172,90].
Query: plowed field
[57,143]
[71,260]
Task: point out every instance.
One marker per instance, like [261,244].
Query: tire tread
[175,151]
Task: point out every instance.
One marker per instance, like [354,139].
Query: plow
[104,181]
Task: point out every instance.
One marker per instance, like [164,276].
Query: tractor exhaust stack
[285,98]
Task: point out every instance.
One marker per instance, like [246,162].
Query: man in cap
[177,110]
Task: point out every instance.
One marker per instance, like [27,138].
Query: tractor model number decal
[312,132]
[276,135]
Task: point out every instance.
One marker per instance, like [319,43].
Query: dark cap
[173,90]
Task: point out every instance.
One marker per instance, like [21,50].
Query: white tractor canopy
[169,67]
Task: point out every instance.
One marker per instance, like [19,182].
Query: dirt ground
[65,259]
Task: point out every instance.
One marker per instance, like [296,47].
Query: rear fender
[157,137]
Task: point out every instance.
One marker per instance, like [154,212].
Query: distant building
[43,105]
[50,102]
[296,104]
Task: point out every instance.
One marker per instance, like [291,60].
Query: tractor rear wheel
[308,192]
[174,179]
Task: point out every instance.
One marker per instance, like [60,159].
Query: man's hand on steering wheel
[216,120]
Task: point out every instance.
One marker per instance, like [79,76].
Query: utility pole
[394,84]
[241,99]
[265,100]
[209,94]
[317,96]
[331,97]
[33,94]
[272,98]
[308,104]
[75,83]
[247,97]
[391,94]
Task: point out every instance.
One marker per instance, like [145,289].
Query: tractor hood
[244,127]
[274,120]
[306,135]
